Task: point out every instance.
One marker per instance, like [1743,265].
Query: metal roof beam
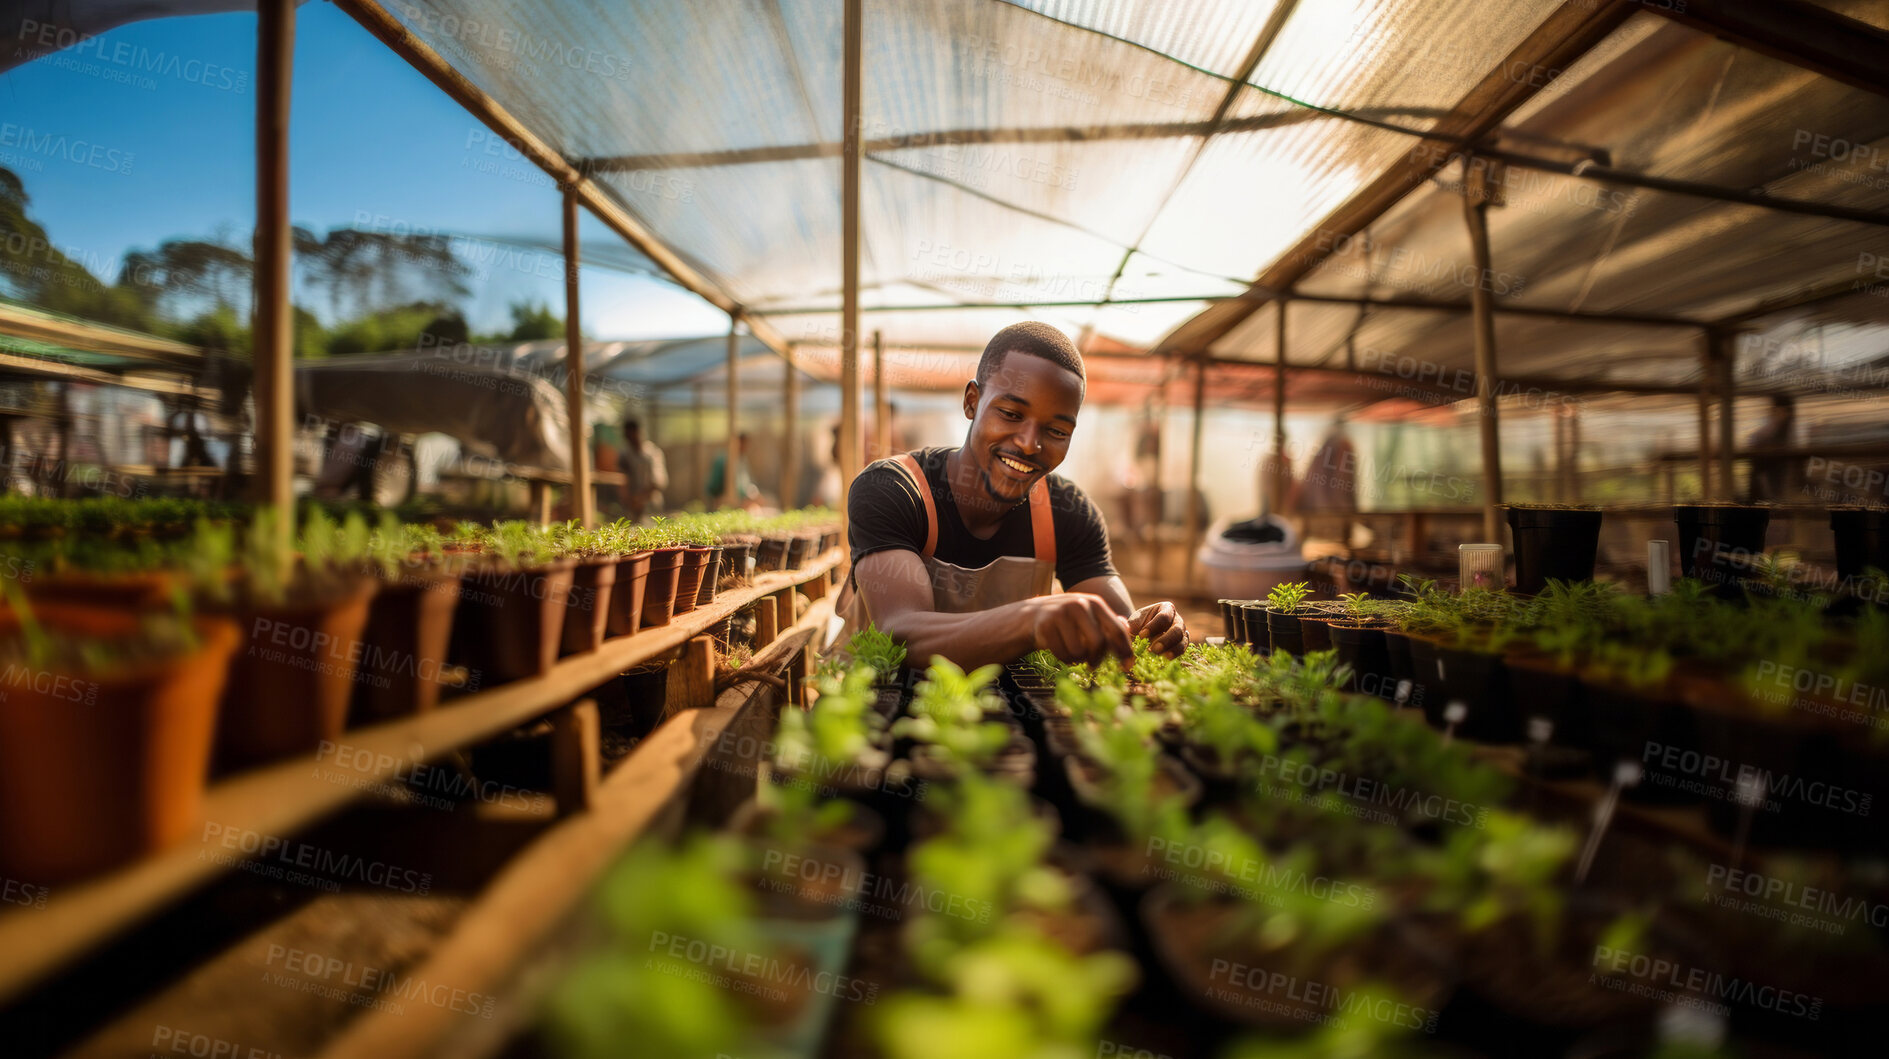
[1813,296]
[1566,35]
[22,322]
[1802,34]
[1601,174]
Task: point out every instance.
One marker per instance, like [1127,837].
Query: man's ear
[970,399]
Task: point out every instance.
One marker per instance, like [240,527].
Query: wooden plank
[851,54]
[25,322]
[279,800]
[1481,188]
[576,756]
[533,895]
[692,677]
[766,627]
[731,456]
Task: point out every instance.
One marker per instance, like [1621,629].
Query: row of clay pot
[99,770]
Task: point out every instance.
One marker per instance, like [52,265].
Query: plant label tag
[1750,790]
[1440,673]
[1540,730]
[1403,692]
[1628,774]
[834,626]
[1456,712]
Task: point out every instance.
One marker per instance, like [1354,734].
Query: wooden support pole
[1281,467]
[700,447]
[1560,456]
[1195,516]
[1574,454]
[576,756]
[583,499]
[766,624]
[849,255]
[1480,188]
[1724,365]
[731,458]
[881,404]
[272,318]
[692,677]
[790,441]
[1708,486]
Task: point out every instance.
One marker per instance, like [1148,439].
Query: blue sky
[165,111]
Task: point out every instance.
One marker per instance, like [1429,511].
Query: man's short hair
[1036,339]
[631,424]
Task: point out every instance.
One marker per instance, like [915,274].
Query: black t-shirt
[884,510]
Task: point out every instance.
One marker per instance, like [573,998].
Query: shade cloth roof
[1022,156]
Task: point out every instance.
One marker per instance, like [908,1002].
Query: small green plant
[841,730]
[1510,867]
[1357,604]
[873,648]
[1285,598]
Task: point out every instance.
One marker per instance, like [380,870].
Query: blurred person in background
[746,494]
[1774,477]
[645,471]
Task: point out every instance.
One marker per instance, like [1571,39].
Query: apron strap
[1042,522]
[906,463]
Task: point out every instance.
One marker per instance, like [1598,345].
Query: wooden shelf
[279,800]
[519,914]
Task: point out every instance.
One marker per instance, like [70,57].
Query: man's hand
[1162,625]
[1079,627]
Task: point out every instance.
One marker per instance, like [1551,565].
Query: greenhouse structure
[944,529]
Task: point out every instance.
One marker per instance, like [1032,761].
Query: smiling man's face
[1021,421]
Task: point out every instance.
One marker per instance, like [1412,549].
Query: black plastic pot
[1253,626]
[1315,629]
[1479,681]
[1861,540]
[1554,543]
[1403,666]
[711,576]
[1230,621]
[1541,688]
[1638,724]
[1284,632]
[1718,542]
[1364,649]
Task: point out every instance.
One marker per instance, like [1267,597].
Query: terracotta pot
[659,594]
[143,590]
[409,627]
[626,599]
[510,622]
[97,771]
[711,575]
[689,578]
[797,549]
[770,554]
[593,582]
[290,684]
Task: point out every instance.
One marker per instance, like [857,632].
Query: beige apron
[959,590]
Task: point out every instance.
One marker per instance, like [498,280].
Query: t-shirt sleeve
[1081,537]
[884,511]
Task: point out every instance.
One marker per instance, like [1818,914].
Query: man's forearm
[1001,634]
